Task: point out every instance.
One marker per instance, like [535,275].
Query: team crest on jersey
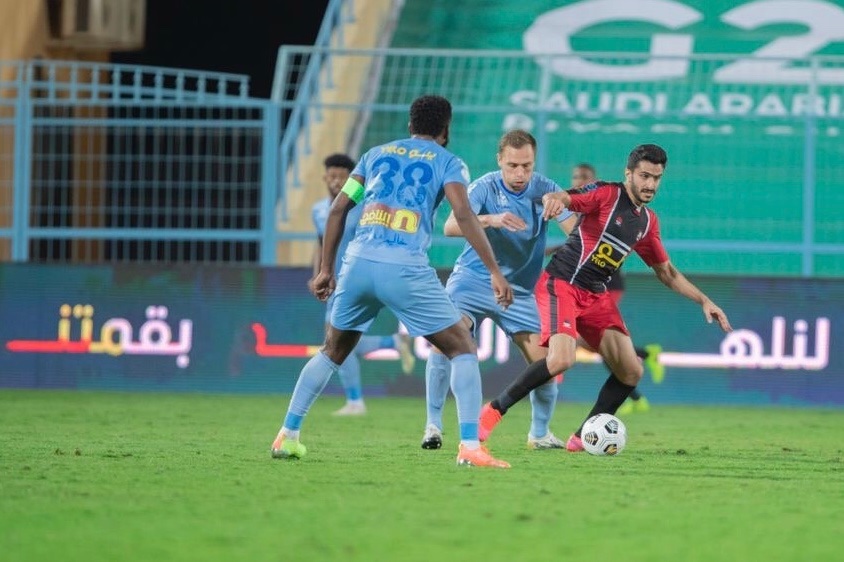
[618,220]
[502,199]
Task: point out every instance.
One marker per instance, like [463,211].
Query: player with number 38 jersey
[404,186]
[399,185]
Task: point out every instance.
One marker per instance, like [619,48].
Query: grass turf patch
[112,476]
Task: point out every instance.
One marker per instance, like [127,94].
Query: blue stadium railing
[106,162]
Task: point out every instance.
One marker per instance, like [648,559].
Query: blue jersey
[519,254]
[319,216]
[403,182]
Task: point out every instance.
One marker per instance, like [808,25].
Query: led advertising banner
[209,329]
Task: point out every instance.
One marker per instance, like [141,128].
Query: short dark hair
[339,160]
[649,153]
[517,138]
[587,166]
[429,115]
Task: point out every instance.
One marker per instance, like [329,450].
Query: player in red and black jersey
[583,175]
[572,292]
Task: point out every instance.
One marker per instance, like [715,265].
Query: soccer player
[507,204]
[571,293]
[338,167]
[583,175]
[399,185]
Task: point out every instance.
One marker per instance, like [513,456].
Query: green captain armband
[353,189]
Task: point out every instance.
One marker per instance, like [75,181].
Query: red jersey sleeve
[591,201]
[650,247]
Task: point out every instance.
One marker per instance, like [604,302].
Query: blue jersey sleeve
[477,196]
[456,171]
[315,221]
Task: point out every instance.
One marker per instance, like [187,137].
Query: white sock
[471,444]
[292,434]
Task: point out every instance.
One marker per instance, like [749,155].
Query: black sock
[612,395]
[534,376]
[635,395]
[641,353]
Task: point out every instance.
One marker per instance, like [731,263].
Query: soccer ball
[604,434]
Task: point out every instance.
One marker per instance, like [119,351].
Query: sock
[350,377]
[368,344]
[635,394]
[612,395]
[312,380]
[534,376]
[543,399]
[466,386]
[437,375]
[292,434]
[641,353]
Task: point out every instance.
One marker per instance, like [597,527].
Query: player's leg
[419,301]
[558,313]
[457,343]
[310,384]
[472,298]
[349,373]
[354,309]
[543,399]
[520,321]
[403,343]
[437,384]
[626,371]
[650,357]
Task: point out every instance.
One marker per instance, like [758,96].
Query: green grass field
[107,476]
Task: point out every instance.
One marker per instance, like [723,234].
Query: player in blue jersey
[399,185]
[338,167]
[508,203]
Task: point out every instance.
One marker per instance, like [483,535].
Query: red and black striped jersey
[610,227]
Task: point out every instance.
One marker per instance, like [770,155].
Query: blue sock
[466,386]
[437,375]
[350,377]
[312,379]
[368,344]
[543,400]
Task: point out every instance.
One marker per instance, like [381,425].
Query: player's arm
[507,220]
[472,230]
[567,226]
[671,277]
[316,260]
[349,196]
[554,203]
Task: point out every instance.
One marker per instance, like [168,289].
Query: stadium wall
[250,330]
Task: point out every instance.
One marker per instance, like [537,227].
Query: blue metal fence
[112,163]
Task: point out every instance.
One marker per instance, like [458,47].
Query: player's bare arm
[507,221]
[472,230]
[323,284]
[671,277]
[316,261]
[554,203]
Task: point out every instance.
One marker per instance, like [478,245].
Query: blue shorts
[329,304]
[473,297]
[413,293]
